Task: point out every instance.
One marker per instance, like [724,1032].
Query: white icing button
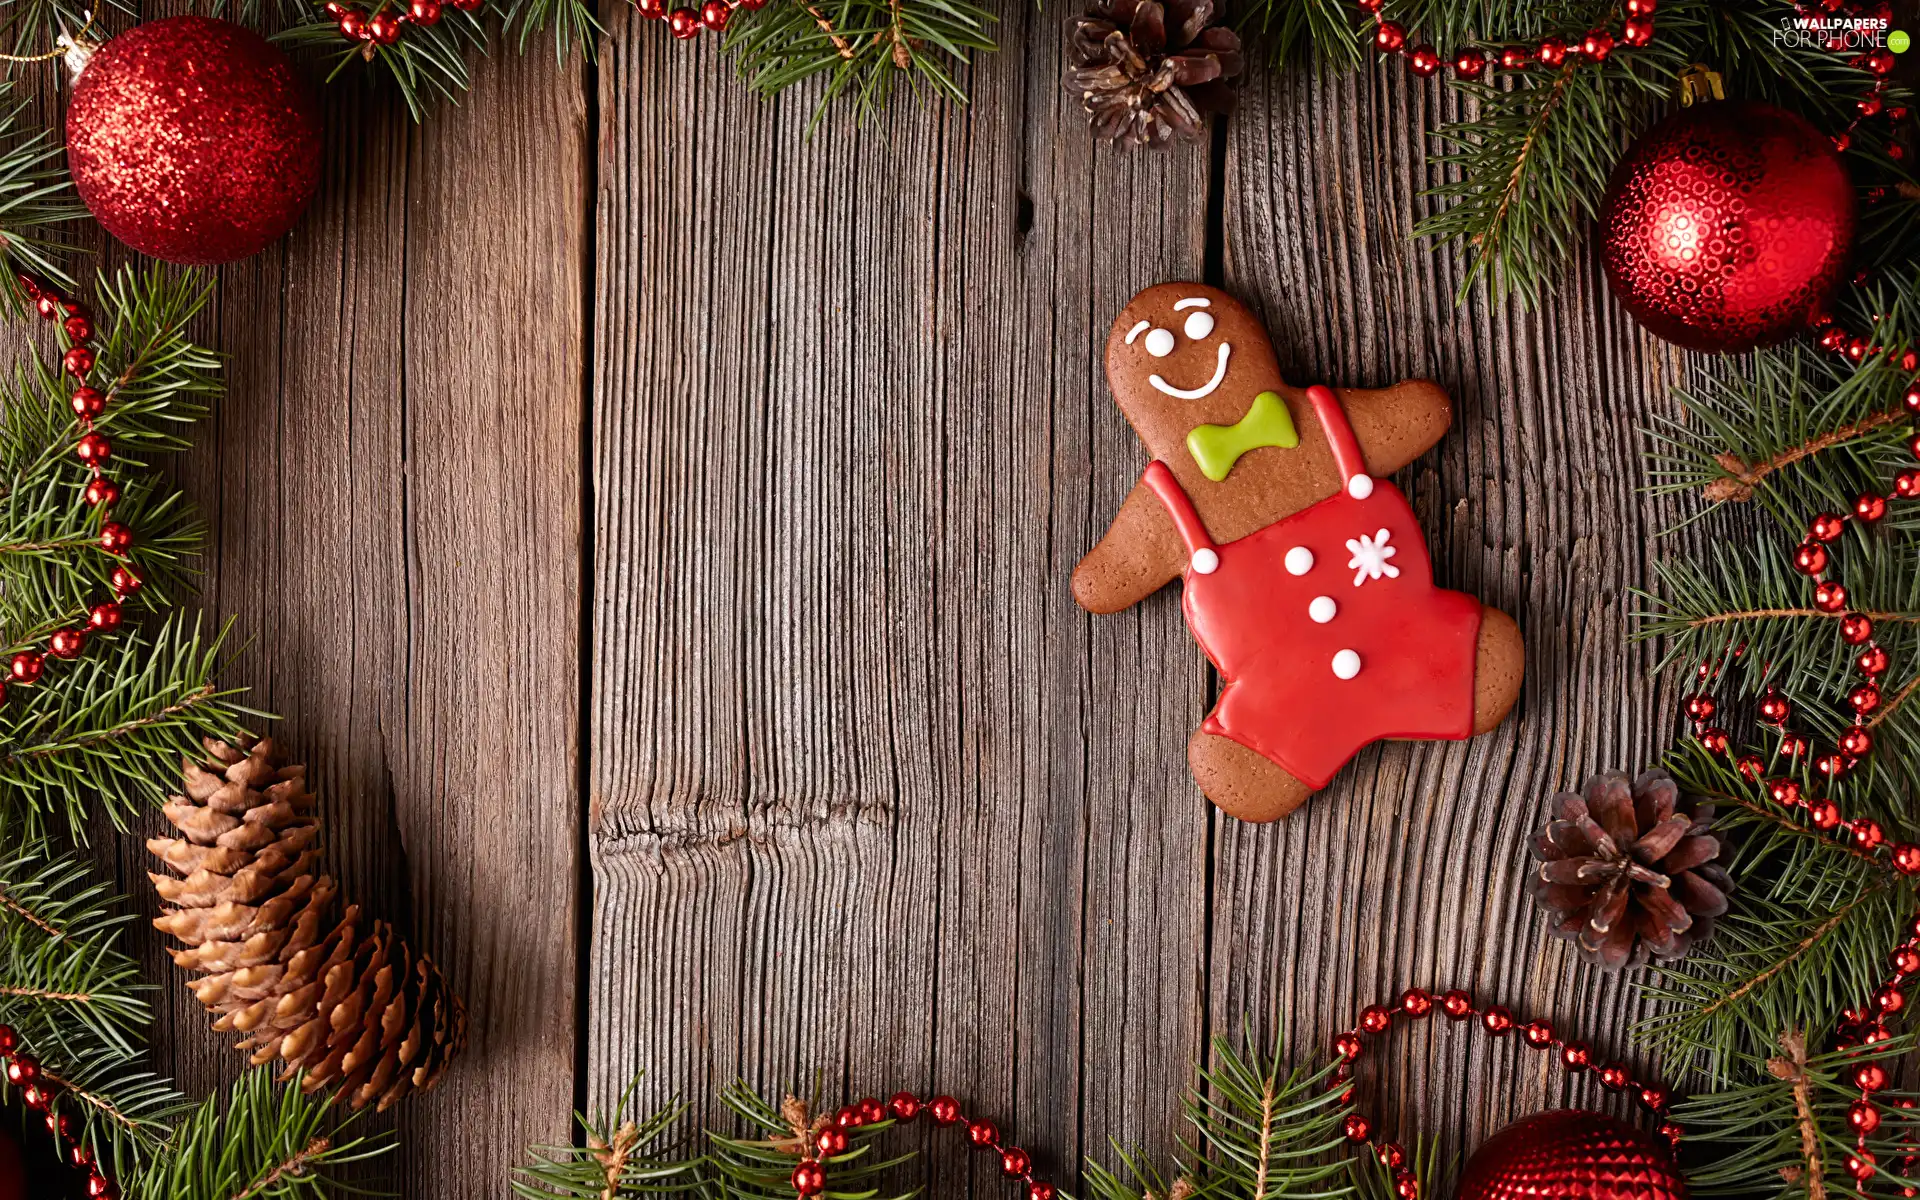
[1360,487]
[1322,610]
[1199,325]
[1159,342]
[1346,664]
[1205,562]
[1299,560]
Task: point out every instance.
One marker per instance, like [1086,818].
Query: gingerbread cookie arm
[1140,554]
[1396,425]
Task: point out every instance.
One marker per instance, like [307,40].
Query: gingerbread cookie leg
[1498,664]
[1243,783]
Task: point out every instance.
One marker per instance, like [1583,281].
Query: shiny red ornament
[1774,707]
[1824,814]
[193,140]
[944,1110]
[1713,740]
[1860,1164]
[831,1141]
[684,22]
[1497,1020]
[1810,558]
[1571,1155]
[1389,36]
[1827,526]
[1872,661]
[808,1179]
[1597,45]
[871,1111]
[1857,741]
[125,580]
[104,618]
[904,1106]
[1906,484]
[1785,792]
[1375,1019]
[67,643]
[1869,507]
[1867,834]
[1515,58]
[77,361]
[714,14]
[1654,1098]
[1539,1034]
[983,1133]
[1864,698]
[352,25]
[1888,1000]
[1357,1128]
[1416,1002]
[384,28]
[1637,31]
[1751,766]
[99,1187]
[1390,1155]
[1041,1191]
[1552,52]
[1347,1046]
[1856,628]
[1702,707]
[1833,339]
[100,490]
[88,402]
[424,12]
[1015,1162]
[115,537]
[1906,860]
[1424,60]
[1870,1077]
[1470,64]
[1726,225]
[1576,1057]
[1863,1116]
[93,449]
[1457,1004]
[1793,745]
[22,1069]
[25,667]
[1406,1185]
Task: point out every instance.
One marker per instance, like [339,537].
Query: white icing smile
[1219,373]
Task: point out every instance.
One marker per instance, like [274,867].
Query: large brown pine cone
[1632,870]
[343,1000]
[1148,72]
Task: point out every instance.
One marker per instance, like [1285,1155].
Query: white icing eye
[1199,325]
[1159,342]
[1346,664]
[1299,560]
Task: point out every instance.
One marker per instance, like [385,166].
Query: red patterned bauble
[1571,1155]
[193,140]
[1727,225]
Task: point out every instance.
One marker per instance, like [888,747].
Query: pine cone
[346,1002]
[1147,72]
[1632,870]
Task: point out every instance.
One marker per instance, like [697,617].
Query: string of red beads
[1376,1020]
[384,24]
[1864,1027]
[1471,62]
[28,664]
[41,1093]
[810,1175]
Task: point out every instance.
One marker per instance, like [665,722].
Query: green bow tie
[1217,447]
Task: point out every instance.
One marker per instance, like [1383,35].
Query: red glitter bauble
[1571,1155]
[1727,225]
[193,140]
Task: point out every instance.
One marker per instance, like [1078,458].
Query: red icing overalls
[1326,626]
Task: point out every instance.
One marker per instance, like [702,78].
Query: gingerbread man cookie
[1305,575]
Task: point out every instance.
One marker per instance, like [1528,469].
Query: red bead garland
[1470,62]
[41,1093]
[809,1176]
[1377,1020]
[28,664]
[388,21]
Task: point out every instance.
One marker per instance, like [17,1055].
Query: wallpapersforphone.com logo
[1858,34]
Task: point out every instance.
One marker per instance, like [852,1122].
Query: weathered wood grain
[393,481]
[871,796]
[1410,869]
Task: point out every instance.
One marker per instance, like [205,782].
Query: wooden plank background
[654,524]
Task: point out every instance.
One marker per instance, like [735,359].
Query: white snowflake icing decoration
[1370,555]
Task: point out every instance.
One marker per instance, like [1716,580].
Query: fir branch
[64,984]
[1793,1069]
[621,1157]
[126,713]
[862,48]
[263,1141]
